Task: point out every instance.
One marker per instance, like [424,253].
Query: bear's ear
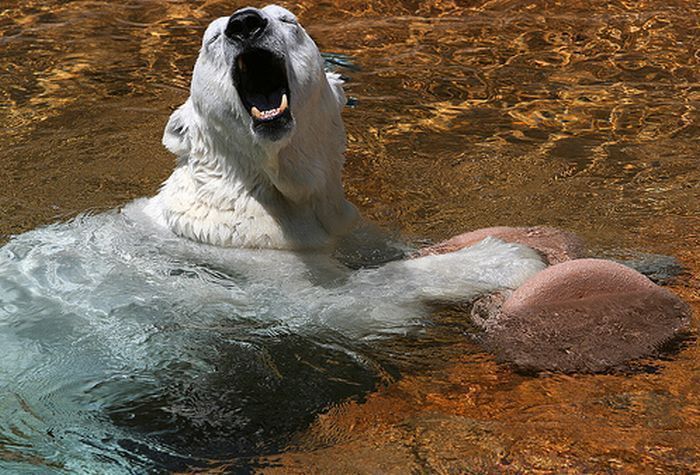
[176,137]
[336,82]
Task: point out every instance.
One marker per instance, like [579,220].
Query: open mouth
[260,77]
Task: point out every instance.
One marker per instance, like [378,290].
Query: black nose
[245,24]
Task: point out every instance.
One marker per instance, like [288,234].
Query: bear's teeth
[283,103]
[268,114]
[257,114]
[271,113]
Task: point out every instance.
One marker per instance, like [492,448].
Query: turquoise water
[127,348]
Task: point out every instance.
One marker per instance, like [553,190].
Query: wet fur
[234,188]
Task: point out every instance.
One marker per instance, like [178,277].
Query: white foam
[109,297]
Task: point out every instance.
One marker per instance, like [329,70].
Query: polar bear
[259,142]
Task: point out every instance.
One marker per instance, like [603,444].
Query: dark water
[469,114]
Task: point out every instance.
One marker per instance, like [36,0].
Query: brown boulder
[584,315]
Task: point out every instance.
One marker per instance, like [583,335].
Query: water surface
[469,114]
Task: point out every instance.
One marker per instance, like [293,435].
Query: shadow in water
[260,394]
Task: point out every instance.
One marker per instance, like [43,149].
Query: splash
[127,346]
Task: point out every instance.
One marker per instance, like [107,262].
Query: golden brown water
[582,115]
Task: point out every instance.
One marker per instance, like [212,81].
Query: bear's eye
[289,20]
[213,38]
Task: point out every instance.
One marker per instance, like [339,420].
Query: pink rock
[585,315]
[554,244]
[573,281]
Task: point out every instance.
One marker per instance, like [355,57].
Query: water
[128,348]
[468,115]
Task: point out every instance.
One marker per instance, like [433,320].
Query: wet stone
[586,315]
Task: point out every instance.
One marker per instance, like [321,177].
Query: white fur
[233,188]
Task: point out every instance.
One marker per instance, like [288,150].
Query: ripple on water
[157,352]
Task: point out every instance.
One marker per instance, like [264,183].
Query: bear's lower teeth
[271,113]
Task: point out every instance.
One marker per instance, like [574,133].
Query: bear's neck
[277,199]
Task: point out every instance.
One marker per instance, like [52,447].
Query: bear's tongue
[267,107]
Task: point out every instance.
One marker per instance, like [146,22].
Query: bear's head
[258,83]
[260,140]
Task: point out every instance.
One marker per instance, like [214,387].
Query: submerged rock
[661,269]
[553,244]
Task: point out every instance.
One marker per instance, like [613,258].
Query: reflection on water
[578,114]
